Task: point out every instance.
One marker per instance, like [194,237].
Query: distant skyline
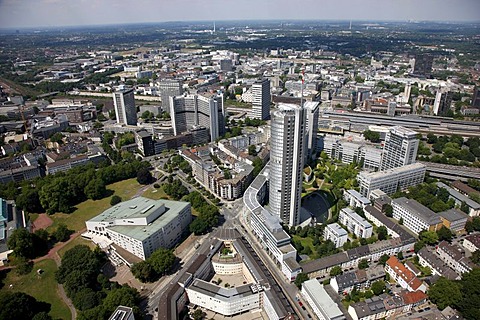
[51,13]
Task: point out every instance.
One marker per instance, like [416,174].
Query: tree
[23,266]
[363,264]
[80,258]
[95,189]
[445,293]
[476,257]
[335,271]
[444,234]
[378,287]
[400,222]
[400,255]
[198,226]
[162,260]
[418,246]
[301,278]
[42,316]
[198,314]
[252,150]
[29,201]
[85,299]
[115,200]
[428,237]
[22,243]
[19,305]
[388,210]
[382,233]
[144,176]
[383,259]
[57,137]
[123,296]
[372,136]
[144,272]
[62,233]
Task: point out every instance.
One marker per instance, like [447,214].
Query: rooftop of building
[399,170]
[337,229]
[404,273]
[140,208]
[459,196]
[474,239]
[389,224]
[321,299]
[453,215]
[325,262]
[436,263]
[418,210]
[357,195]
[225,294]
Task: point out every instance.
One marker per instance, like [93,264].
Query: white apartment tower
[261,99]
[125,110]
[190,111]
[400,149]
[311,127]
[286,162]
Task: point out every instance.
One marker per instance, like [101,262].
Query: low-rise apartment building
[336,234]
[416,217]
[404,277]
[391,180]
[355,223]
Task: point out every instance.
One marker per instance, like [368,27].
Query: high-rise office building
[125,110]
[400,149]
[311,127]
[286,162]
[189,111]
[442,103]
[261,99]
[423,64]
[169,88]
[476,97]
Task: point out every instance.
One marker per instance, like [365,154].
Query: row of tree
[62,191]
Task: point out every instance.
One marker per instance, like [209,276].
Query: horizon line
[413,21]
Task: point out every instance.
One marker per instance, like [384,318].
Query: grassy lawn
[43,287]
[75,242]
[307,242]
[90,208]
[155,194]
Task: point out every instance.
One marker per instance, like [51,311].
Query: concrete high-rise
[125,110]
[400,149]
[169,88]
[311,127]
[286,162]
[476,97]
[261,99]
[189,111]
[442,103]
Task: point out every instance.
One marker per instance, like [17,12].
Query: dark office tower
[145,143]
[261,99]
[423,64]
[476,97]
[125,110]
[169,88]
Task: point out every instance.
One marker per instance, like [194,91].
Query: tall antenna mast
[213,26]
[350,24]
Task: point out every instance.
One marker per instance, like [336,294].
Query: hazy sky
[28,13]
